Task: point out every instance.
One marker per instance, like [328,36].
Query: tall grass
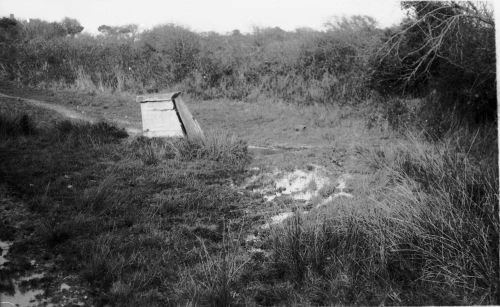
[432,238]
[452,225]
[94,134]
[215,280]
[219,146]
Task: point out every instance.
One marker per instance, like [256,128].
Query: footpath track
[134,131]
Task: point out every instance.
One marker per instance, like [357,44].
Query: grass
[265,122]
[219,146]
[427,236]
[15,126]
[158,222]
[215,280]
[117,211]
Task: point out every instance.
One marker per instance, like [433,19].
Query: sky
[215,15]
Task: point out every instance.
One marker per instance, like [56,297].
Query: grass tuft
[214,280]
[427,236]
[218,146]
[16,125]
[81,133]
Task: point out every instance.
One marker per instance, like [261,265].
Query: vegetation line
[62,110]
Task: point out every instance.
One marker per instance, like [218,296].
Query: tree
[10,30]
[119,31]
[72,26]
[180,45]
[358,32]
[447,47]
[356,23]
[11,33]
[36,28]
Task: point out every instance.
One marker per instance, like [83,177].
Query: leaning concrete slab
[166,115]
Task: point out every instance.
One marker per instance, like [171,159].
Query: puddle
[64,286]
[278,219]
[250,239]
[22,296]
[4,250]
[342,184]
[332,197]
[271,197]
[299,184]
[19,294]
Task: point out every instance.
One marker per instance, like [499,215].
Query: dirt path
[72,114]
[57,108]
[133,131]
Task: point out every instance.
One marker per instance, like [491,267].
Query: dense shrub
[443,47]
[304,66]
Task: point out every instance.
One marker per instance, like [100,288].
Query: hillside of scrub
[442,47]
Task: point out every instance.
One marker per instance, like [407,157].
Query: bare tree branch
[443,29]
